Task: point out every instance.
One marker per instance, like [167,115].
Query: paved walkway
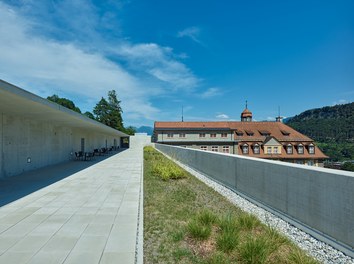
[90,216]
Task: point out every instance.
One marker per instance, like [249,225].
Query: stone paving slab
[90,216]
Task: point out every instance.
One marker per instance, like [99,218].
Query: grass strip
[185,221]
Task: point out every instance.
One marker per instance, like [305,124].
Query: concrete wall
[316,199]
[43,142]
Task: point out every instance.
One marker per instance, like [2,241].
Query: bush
[167,170]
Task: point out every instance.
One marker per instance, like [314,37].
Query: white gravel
[318,249]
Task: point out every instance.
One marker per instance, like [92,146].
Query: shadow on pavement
[16,187]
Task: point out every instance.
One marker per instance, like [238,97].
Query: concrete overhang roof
[16,101]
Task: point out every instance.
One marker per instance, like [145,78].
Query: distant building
[267,140]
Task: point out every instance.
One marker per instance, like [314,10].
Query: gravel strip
[318,249]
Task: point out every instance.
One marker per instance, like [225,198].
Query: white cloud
[222,116]
[190,32]
[159,62]
[211,92]
[44,65]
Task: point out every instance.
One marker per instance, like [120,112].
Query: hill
[145,129]
[332,127]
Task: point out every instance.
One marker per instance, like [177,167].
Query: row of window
[201,135]
[275,150]
[224,149]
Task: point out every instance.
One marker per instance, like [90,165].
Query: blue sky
[207,56]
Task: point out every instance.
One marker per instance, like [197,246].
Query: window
[300,149]
[310,162]
[275,150]
[269,150]
[289,149]
[249,133]
[226,149]
[264,132]
[256,149]
[182,135]
[213,135]
[245,149]
[204,148]
[215,148]
[202,135]
[223,135]
[311,149]
[170,135]
[285,133]
[239,133]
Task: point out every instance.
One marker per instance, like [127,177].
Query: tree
[129,130]
[101,111]
[64,102]
[115,111]
[89,115]
[348,166]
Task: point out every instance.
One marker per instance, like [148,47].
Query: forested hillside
[332,127]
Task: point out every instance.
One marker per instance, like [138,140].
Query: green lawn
[185,221]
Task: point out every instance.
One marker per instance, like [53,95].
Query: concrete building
[35,132]
[267,140]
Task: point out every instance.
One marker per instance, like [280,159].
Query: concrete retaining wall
[317,199]
[45,143]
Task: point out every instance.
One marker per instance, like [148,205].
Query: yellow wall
[273,149]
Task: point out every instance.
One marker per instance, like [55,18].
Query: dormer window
[182,135]
[202,135]
[245,149]
[223,135]
[285,133]
[300,149]
[256,149]
[249,132]
[289,149]
[213,135]
[264,132]
[311,149]
[239,133]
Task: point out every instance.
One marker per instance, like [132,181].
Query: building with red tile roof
[267,140]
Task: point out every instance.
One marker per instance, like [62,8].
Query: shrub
[167,170]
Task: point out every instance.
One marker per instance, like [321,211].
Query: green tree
[110,112]
[101,111]
[115,111]
[129,130]
[348,166]
[89,115]
[64,102]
